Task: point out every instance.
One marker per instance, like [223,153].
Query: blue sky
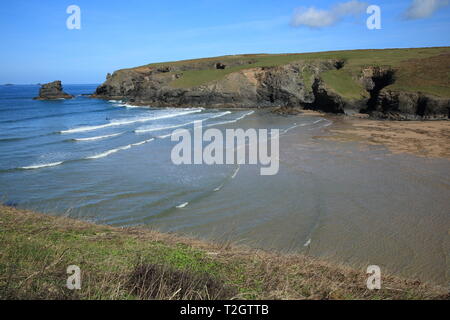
[38,47]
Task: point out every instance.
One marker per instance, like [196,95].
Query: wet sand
[351,201]
[420,138]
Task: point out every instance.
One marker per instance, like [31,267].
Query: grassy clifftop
[137,263]
[422,69]
[396,84]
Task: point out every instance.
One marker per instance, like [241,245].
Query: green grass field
[135,263]
[417,69]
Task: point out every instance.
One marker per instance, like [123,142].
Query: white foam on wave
[328,124]
[99,137]
[236,172]
[295,126]
[164,136]
[130,106]
[160,128]
[120,103]
[109,152]
[144,130]
[232,121]
[44,165]
[307,243]
[127,122]
[213,124]
[142,142]
[183,205]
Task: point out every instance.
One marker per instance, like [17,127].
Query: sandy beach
[420,138]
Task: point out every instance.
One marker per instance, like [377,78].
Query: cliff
[52,91]
[401,84]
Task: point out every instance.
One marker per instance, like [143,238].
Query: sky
[37,46]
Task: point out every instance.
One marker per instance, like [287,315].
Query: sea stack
[52,91]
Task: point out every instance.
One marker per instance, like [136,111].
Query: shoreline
[38,248]
[334,83]
[212,258]
[428,139]
[282,111]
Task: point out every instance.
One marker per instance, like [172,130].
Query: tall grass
[134,263]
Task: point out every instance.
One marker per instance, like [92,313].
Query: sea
[110,162]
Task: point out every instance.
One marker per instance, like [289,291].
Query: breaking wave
[127,122]
[212,124]
[183,205]
[231,121]
[44,165]
[144,130]
[97,156]
[98,137]
[109,152]
[235,173]
[126,105]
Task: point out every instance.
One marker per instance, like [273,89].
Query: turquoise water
[106,161]
[109,162]
[103,160]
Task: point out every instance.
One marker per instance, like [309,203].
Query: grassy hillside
[143,264]
[422,69]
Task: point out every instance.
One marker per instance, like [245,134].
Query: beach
[357,201]
[420,138]
[139,263]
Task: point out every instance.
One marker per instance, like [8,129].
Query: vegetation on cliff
[135,263]
[393,83]
[428,67]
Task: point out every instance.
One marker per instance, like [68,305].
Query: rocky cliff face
[249,88]
[397,105]
[385,103]
[52,91]
[296,84]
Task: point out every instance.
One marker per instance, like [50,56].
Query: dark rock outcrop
[296,85]
[374,79]
[52,91]
[220,66]
[278,86]
[398,105]
[385,103]
[325,100]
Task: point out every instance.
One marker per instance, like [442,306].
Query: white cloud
[350,8]
[420,9]
[313,18]
[317,18]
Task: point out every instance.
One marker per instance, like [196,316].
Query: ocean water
[109,162]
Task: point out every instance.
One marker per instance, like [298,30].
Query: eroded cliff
[331,82]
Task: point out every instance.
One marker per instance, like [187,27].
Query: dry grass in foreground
[134,263]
